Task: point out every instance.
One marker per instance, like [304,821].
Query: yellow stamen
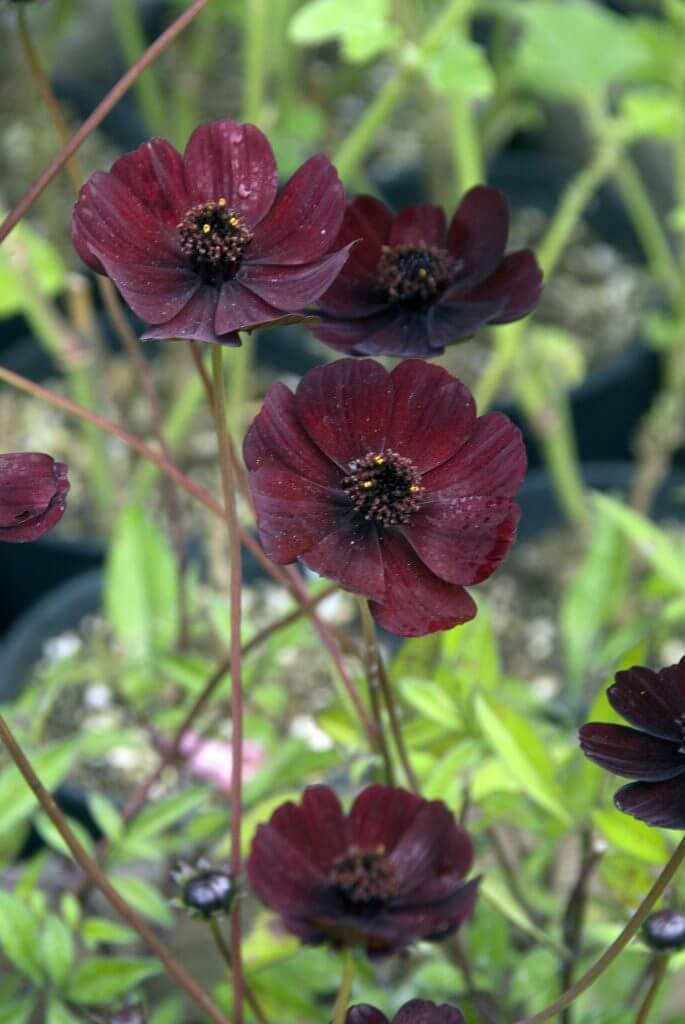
[414,488]
[206,228]
[221,202]
[366,484]
[422,272]
[233,221]
[379,460]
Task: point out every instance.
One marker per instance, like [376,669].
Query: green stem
[233,526]
[343,1000]
[132,42]
[660,968]
[256,38]
[222,946]
[618,945]
[371,661]
[648,227]
[175,429]
[468,157]
[350,154]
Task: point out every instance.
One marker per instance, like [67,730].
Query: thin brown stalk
[92,870]
[99,114]
[660,967]
[574,916]
[250,997]
[370,661]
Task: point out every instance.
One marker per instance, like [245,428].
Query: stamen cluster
[415,273]
[384,487]
[365,875]
[214,235]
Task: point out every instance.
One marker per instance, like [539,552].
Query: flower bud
[665,930]
[209,893]
[33,494]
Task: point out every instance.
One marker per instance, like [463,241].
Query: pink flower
[211,760]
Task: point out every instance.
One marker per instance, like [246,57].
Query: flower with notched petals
[388,484]
[389,873]
[200,245]
[653,753]
[33,495]
[416,1011]
[413,285]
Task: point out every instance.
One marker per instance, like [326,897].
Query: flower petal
[478,233]
[420,1011]
[432,415]
[280,874]
[516,285]
[293,513]
[463,540]
[416,602]
[291,288]
[350,555]
[437,920]
[316,827]
[652,701]
[630,753]
[157,293]
[657,803]
[239,309]
[154,173]
[345,407]
[362,1013]
[449,322]
[418,854]
[33,495]
[422,224]
[393,332]
[276,438]
[235,162]
[195,322]
[305,219]
[381,815]
[109,220]
[492,462]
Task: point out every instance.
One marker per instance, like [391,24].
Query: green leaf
[652,112]
[363,30]
[459,67]
[49,833]
[141,586]
[25,248]
[58,1013]
[102,979]
[52,765]
[16,1011]
[57,950]
[522,751]
[663,554]
[19,936]
[632,836]
[100,929]
[144,898]
[431,701]
[167,812]
[170,1012]
[106,816]
[576,49]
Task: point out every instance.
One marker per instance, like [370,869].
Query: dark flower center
[415,273]
[365,876]
[209,892]
[214,237]
[384,487]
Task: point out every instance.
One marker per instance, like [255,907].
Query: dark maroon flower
[33,495]
[665,930]
[412,285]
[416,1011]
[388,484]
[385,875]
[653,752]
[200,245]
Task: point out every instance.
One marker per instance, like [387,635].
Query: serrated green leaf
[56,949]
[522,751]
[144,898]
[141,586]
[459,67]
[101,979]
[599,48]
[19,936]
[632,836]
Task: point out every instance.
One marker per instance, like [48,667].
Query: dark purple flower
[389,484]
[385,875]
[413,285]
[665,930]
[416,1011]
[200,245]
[33,495]
[653,752]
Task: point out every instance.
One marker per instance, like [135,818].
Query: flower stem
[256,15]
[349,156]
[222,946]
[660,968]
[374,684]
[229,492]
[132,42]
[343,1000]
[617,946]
[99,114]
[468,158]
[647,224]
[91,869]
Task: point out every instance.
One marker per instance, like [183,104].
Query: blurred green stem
[660,968]
[343,999]
[648,227]
[254,59]
[131,38]
[225,952]
[371,656]
[351,153]
[468,157]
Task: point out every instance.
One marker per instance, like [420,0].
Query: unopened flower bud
[665,930]
[205,890]
[33,495]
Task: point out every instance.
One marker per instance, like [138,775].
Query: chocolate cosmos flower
[653,752]
[388,484]
[412,285]
[33,495]
[416,1011]
[200,245]
[389,873]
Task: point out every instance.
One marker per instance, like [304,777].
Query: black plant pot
[610,402]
